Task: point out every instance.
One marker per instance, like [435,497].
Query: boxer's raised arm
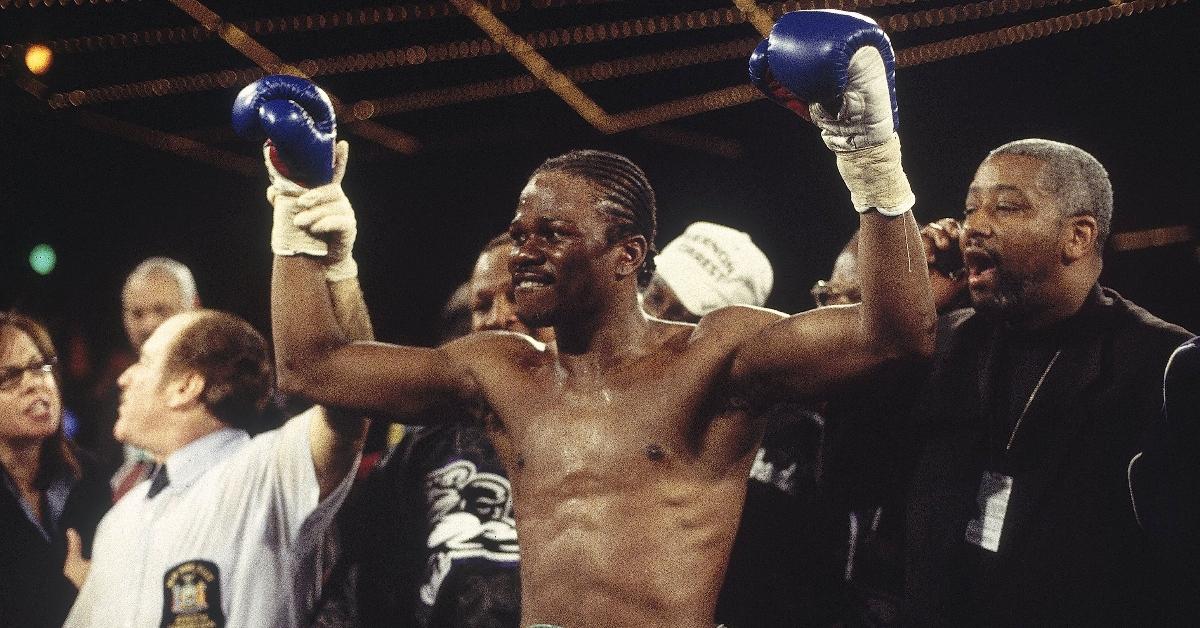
[810,355]
[317,359]
[338,435]
[312,235]
[837,69]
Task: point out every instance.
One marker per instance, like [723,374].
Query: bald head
[232,358]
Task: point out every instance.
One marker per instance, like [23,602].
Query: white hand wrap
[286,237]
[876,179]
[318,222]
[861,133]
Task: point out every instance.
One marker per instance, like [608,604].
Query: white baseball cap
[711,266]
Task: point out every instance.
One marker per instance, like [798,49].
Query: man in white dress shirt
[227,532]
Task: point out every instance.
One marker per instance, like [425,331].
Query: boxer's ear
[631,252]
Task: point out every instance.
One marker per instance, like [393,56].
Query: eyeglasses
[826,293]
[12,376]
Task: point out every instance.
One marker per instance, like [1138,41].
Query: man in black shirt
[1039,397]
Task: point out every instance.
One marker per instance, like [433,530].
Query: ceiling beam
[537,65]
[177,144]
[272,64]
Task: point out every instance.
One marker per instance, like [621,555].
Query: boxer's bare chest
[607,425]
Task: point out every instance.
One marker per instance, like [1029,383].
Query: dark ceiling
[123,148]
[420,77]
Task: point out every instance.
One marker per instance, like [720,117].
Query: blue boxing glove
[296,118]
[837,69]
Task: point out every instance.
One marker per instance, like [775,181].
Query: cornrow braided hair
[625,192]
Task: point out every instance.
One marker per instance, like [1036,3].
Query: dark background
[1121,90]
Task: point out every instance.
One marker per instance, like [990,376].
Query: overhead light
[38,59]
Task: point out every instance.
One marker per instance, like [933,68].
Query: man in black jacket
[1164,481]
[1038,401]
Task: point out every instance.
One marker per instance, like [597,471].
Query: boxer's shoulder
[702,347]
[498,341]
[732,324]
[493,350]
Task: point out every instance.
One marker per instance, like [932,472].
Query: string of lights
[962,13]
[265,58]
[728,97]
[762,16]
[159,140]
[33,4]
[543,39]
[535,63]
[406,56]
[329,20]
[525,83]
[17,4]
[259,27]
[565,81]
[979,42]
[732,96]
[564,36]
[684,107]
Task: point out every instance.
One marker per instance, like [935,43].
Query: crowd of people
[966,430]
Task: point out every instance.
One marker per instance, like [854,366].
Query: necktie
[158,482]
[131,476]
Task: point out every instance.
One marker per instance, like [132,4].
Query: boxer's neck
[606,338]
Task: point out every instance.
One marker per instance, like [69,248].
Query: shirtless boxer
[629,445]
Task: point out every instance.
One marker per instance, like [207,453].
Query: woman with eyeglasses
[46,487]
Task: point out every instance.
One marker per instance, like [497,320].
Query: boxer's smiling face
[559,244]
